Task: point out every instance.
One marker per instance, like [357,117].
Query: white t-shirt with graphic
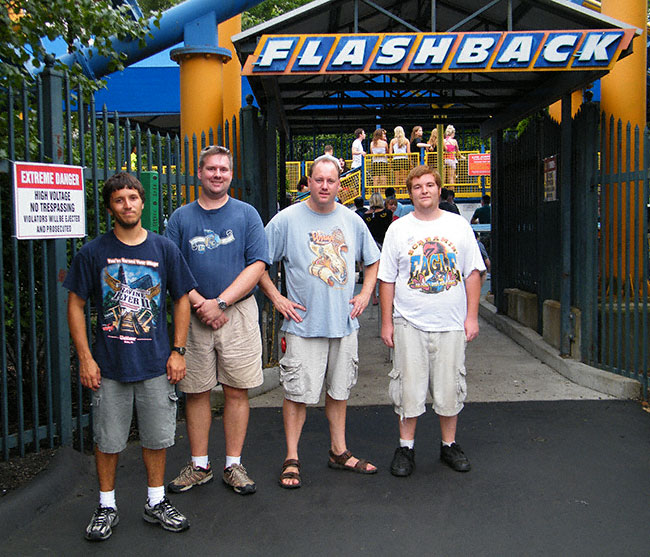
[319,252]
[428,261]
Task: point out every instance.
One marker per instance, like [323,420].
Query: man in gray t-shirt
[318,241]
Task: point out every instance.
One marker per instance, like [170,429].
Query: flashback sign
[50,201]
[438,52]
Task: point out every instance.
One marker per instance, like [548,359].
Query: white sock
[409,443]
[230,460]
[448,444]
[107,499]
[201,461]
[155,494]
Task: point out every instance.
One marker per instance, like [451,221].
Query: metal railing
[380,171]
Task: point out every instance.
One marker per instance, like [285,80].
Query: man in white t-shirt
[430,287]
[357,147]
[318,242]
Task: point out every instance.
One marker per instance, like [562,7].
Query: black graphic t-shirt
[128,286]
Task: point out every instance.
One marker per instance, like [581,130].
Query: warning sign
[478,164]
[50,201]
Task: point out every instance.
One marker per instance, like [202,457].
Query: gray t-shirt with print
[319,252]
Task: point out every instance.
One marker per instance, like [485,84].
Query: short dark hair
[389,191]
[358,132]
[422,170]
[358,202]
[118,182]
[486,199]
[445,193]
[328,148]
[210,150]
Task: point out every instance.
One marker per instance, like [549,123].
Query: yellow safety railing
[390,170]
[457,178]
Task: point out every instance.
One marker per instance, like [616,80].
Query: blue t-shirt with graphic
[218,244]
[128,286]
[319,251]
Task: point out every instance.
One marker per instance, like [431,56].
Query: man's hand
[387,334]
[359,303]
[90,374]
[288,308]
[471,328]
[209,313]
[175,367]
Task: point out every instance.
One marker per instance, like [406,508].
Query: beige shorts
[425,361]
[231,355]
[308,362]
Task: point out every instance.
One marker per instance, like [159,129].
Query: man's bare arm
[89,372]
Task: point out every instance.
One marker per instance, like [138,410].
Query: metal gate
[609,233]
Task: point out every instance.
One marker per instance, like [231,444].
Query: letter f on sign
[277,49]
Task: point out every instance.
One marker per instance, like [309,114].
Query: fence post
[57,261]
[251,155]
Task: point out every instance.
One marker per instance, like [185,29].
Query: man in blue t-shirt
[319,242]
[127,272]
[223,242]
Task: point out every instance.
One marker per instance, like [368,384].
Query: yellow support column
[231,77]
[201,84]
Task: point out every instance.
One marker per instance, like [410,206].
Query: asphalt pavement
[557,468]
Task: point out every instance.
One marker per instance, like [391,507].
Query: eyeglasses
[216,148]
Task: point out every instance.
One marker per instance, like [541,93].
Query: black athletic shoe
[403,462]
[454,457]
[100,526]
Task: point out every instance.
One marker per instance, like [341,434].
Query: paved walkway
[557,469]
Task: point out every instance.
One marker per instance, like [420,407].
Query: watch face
[222,305]
[179,349]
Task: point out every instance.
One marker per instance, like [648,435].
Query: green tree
[82,23]
[268,10]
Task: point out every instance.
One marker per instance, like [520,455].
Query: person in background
[451,148]
[402,209]
[391,205]
[360,208]
[329,151]
[416,139]
[378,219]
[357,147]
[483,215]
[379,164]
[432,144]
[446,204]
[399,148]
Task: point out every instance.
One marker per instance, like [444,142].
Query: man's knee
[234,394]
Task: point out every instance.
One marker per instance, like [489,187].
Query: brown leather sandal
[337,461]
[290,475]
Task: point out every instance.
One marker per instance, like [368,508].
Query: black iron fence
[608,207]
[42,403]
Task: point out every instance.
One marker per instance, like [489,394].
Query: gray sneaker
[236,477]
[100,526]
[165,514]
[189,477]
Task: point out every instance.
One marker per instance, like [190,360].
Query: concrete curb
[19,508]
[271,381]
[581,374]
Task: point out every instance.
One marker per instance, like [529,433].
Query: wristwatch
[179,349]
[222,304]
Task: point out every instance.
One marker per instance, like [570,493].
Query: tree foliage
[268,10]
[81,24]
